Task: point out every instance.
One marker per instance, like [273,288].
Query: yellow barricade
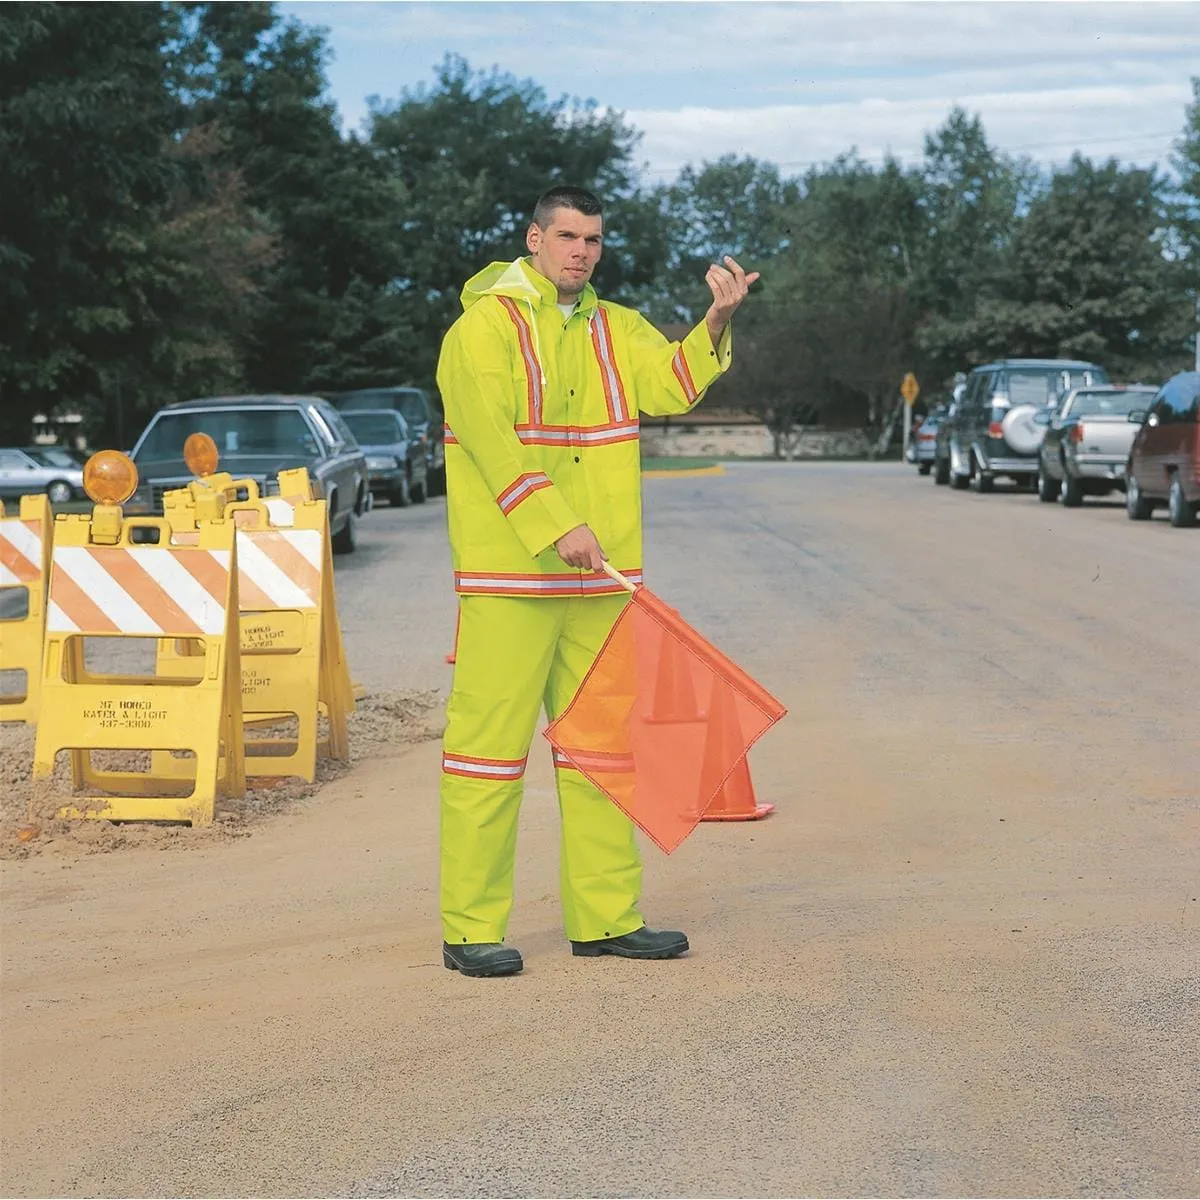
[24,563]
[289,635]
[294,488]
[104,585]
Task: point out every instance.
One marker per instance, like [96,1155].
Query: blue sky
[798,83]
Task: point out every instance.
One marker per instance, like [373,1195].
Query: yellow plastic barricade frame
[112,587]
[289,635]
[25,540]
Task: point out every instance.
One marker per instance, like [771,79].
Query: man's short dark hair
[565,196]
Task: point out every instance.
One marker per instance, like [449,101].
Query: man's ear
[533,237]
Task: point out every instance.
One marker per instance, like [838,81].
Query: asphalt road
[963,957]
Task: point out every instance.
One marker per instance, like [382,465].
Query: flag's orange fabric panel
[661,720]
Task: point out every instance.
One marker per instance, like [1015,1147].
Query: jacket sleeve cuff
[703,364]
[540,518]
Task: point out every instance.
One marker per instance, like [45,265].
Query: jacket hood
[519,281]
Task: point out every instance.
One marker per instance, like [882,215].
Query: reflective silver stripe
[485,770]
[605,357]
[518,490]
[568,585]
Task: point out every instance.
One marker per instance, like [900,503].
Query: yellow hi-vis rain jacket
[542,428]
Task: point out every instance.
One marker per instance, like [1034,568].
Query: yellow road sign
[910,389]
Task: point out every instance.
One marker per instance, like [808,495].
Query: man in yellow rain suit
[542,384]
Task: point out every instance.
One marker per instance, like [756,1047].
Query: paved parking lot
[962,958]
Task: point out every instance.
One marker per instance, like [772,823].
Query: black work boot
[482,958]
[641,943]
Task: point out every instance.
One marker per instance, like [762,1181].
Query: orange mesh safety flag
[661,720]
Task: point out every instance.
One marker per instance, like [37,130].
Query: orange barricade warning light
[109,477]
[200,454]
[662,753]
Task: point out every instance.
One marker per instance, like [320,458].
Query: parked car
[420,410]
[257,437]
[396,463]
[1086,442]
[923,446]
[50,469]
[1164,460]
[992,432]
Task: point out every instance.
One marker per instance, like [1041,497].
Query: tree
[835,329]
[470,155]
[330,316]
[971,199]
[85,115]
[1087,276]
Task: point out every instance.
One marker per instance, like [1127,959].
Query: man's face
[567,250]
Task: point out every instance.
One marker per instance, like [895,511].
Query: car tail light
[996,429]
[1075,434]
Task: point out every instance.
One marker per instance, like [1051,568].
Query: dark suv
[993,431]
[424,418]
[257,437]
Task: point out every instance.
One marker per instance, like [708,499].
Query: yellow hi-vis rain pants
[514,655]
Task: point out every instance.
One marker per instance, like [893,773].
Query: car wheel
[59,492]
[1137,507]
[345,541]
[1183,514]
[1048,491]
[941,472]
[1072,490]
[923,469]
[401,495]
[984,481]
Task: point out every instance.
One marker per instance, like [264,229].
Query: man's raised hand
[729,285]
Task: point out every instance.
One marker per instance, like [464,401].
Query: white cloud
[805,81]
[1047,125]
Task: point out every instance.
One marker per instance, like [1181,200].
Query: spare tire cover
[1019,430]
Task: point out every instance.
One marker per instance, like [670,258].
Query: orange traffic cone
[735,799]
[674,692]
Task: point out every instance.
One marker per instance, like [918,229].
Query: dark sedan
[396,463]
[257,437]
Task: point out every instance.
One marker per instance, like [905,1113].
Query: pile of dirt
[382,720]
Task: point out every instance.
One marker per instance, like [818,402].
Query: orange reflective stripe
[533,372]
[557,585]
[20,551]
[498,770]
[520,489]
[610,377]
[680,367]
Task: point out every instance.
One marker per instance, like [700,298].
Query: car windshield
[268,431]
[374,428]
[1092,404]
[406,400]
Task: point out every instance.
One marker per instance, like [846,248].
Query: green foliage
[181,214]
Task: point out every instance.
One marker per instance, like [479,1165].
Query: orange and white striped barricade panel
[281,594]
[25,539]
[143,591]
[295,486]
[335,695]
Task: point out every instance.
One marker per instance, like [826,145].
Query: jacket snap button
[577,458]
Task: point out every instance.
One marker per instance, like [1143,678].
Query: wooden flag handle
[613,573]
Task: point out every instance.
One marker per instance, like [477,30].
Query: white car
[49,469]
